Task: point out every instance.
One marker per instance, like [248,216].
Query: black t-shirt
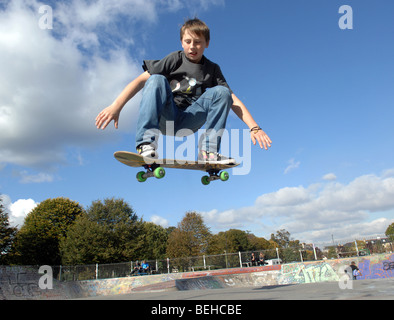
[188,80]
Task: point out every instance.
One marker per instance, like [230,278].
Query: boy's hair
[196,26]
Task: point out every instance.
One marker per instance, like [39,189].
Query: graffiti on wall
[377,267]
[18,283]
[307,273]
[26,283]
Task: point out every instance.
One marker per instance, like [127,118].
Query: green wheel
[205,180]
[159,173]
[140,176]
[224,176]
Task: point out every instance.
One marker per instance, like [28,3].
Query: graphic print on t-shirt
[188,83]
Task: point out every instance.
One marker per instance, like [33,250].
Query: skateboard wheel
[140,176]
[205,180]
[224,176]
[159,173]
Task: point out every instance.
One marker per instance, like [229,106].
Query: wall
[375,267]
[371,267]
[17,283]
[22,283]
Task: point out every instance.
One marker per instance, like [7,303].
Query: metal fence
[302,253]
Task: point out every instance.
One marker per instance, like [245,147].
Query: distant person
[253,259]
[145,268]
[262,259]
[354,271]
[137,268]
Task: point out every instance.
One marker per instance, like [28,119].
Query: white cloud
[17,210]
[388,173]
[50,92]
[160,221]
[292,165]
[347,232]
[361,207]
[35,178]
[330,177]
[94,23]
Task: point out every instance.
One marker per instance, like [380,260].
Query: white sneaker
[147,151]
[214,158]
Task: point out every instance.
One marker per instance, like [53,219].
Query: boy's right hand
[113,111]
[105,117]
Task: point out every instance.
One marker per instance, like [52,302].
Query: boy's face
[194,46]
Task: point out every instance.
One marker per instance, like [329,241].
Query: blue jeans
[158,108]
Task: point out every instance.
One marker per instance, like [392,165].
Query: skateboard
[155,167]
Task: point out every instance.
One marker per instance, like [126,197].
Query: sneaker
[214,158]
[147,151]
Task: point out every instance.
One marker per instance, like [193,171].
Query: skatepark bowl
[316,280]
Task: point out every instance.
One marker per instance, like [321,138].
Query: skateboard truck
[152,170]
[214,175]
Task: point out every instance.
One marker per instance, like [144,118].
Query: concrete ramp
[157,287]
[257,279]
[201,283]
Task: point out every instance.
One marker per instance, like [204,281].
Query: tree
[289,248]
[7,233]
[107,233]
[190,238]
[282,238]
[83,242]
[153,239]
[231,241]
[390,232]
[37,242]
[258,243]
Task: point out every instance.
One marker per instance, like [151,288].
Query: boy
[354,271]
[188,90]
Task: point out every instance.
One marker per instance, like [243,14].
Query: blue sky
[323,94]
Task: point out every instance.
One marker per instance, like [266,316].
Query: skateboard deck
[155,167]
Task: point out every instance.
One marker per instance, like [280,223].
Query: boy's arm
[257,135]
[112,112]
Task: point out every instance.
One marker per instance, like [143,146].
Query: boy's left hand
[262,138]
